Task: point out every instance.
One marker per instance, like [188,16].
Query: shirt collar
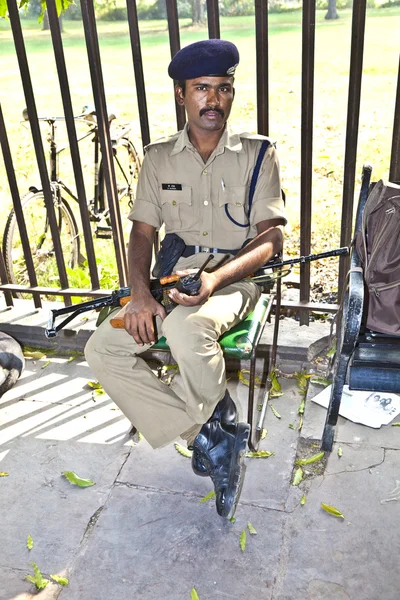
[228,140]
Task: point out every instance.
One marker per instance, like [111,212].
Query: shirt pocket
[177,209]
[232,200]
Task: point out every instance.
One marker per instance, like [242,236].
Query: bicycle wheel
[127,167]
[40,241]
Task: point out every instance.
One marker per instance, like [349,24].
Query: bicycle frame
[98,198]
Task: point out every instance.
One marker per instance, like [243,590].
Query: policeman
[197,184]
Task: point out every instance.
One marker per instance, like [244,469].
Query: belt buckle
[205,249]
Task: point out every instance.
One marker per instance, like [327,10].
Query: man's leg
[155,410]
[192,335]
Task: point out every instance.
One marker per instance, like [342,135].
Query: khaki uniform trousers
[192,334]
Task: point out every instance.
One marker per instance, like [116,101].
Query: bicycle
[127,165]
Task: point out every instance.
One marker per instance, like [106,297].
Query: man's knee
[189,333]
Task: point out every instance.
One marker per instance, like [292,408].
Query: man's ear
[234,92]
[179,95]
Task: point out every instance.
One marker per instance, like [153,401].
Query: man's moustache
[217,110]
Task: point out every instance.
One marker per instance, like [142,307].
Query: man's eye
[202,88]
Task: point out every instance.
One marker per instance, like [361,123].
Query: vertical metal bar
[307,108]
[19,213]
[175,44]
[138,68]
[213,19]
[4,279]
[353,114]
[261,14]
[37,141]
[75,155]
[394,172]
[96,75]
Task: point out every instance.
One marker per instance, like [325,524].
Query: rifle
[188,284]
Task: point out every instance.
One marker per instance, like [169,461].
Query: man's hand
[139,317]
[207,288]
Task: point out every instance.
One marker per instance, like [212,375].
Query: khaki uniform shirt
[178,189]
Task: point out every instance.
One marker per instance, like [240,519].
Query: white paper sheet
[368,408]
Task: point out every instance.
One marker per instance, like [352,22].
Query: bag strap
[253,184]
[256,171]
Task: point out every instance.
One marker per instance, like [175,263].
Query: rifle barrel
[310,257]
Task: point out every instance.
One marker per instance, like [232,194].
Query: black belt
[190,250]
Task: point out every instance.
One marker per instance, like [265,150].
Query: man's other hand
[208,283]
[139,318]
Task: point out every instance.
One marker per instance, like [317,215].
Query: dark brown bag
[378,245]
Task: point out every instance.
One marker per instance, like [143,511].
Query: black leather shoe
[224,412]
[221,449]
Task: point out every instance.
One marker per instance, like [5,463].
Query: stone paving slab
[347,432]
[39,501]
[329,558]
[169,543]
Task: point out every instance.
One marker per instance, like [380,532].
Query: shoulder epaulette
[163,140]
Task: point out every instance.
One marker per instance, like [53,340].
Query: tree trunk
[332,12]
[46,24]
[197,12]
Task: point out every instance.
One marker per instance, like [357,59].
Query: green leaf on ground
[340,451]
[321,381]
[312,459]
[76,480]
[252,531]
[395,424]
[300,425]
[332,510]
[194,595]
[71,358]
[263,434]
[243,379]
[35,354]
[61,580]
[243,537]
[232,519]
[29,542]
[3,474]
[303,500]
[291,426]
[301,380]
[275,412]
[302,406]
[298,476]
[259,454]
[207,497]
[37,579]
[171,367]
[274,394]
[331,351]
[46,364]
[274,381]
[95,385]
[182,450]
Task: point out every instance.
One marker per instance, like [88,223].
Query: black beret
[209,57]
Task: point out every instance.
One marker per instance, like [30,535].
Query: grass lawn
[331,88]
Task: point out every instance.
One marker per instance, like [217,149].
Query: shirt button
[205,232]
[173,202]
[238,204]
[205,172]
[205,202]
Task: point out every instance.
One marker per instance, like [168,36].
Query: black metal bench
[365,359]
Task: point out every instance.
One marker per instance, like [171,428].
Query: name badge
[172,187]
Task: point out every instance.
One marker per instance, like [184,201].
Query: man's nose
[212,97]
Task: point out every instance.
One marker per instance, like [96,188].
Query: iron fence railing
[262,73]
